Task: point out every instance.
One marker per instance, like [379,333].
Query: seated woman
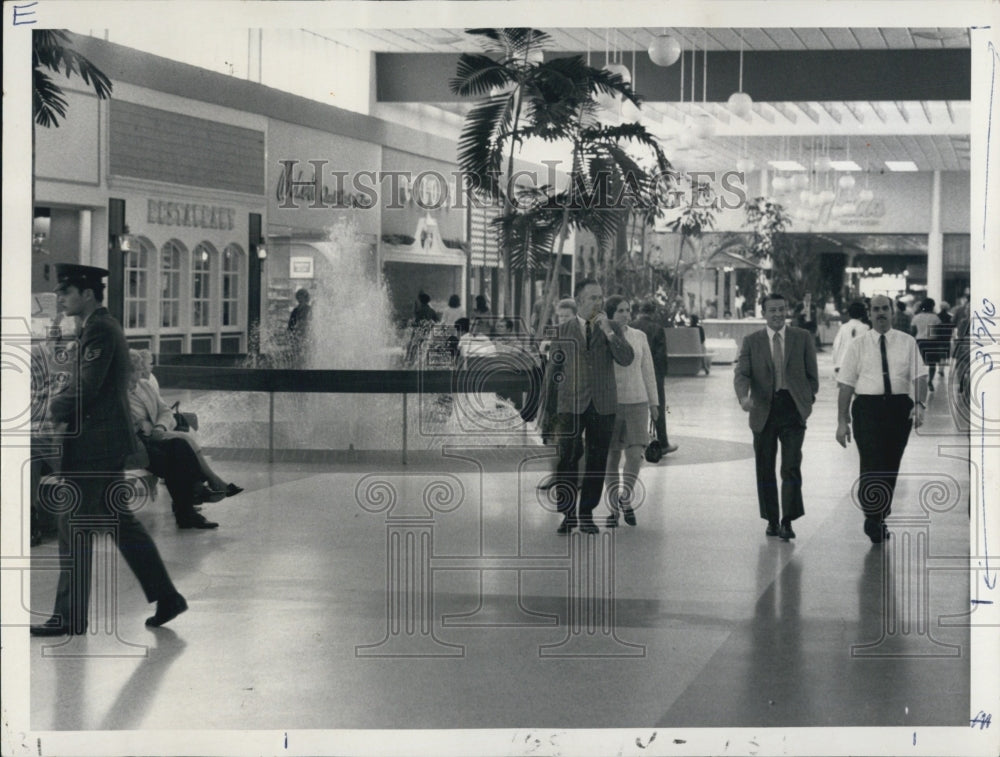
[174,455]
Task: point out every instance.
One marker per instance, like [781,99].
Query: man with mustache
[884,374]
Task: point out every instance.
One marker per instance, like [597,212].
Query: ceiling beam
[901,107]
[879,111]
[927,111]
[833,111]
[810,111]
[785,110]
[855,111]
[951,113]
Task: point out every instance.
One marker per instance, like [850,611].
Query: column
[935,244]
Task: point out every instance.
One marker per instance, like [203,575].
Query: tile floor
[438,595]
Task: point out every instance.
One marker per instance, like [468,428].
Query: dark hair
[770,296]
[302,295]
[927,306]
[454,301]
[462,325]
[611,305]
[583,284]
[481,305]
[900,306]
[856,310]
[694,319]
[648,306]
[424,298]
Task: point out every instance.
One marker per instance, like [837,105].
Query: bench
[725,350]
[685,352]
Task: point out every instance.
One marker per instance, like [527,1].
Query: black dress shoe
[786,532]
[232,490]
[167,609]
[629,515]
[568,524]
[588,526]
[53,627]
[208,494]
[195,520]
[885,532]
[772,529]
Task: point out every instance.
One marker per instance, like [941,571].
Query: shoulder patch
[92,354]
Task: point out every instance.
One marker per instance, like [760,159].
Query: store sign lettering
[190,214]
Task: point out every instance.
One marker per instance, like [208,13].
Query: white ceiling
[932,134]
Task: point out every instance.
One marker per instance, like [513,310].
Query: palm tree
[51,51]
[525,97]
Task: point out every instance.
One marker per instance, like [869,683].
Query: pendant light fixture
[740,103]
[664,50]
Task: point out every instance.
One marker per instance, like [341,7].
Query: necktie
[886,383]
[589,334]
[779,363]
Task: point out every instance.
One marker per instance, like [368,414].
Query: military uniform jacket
[94,405]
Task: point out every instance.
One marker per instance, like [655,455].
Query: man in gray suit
[582,366]
[776,381]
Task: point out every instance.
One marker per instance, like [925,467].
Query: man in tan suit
[582,367]
[776,382]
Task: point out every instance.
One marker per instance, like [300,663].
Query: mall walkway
[484,621]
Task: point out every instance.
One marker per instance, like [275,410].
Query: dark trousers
[100,509]
[661,419]
[785,425]
[881,429]
[175,462]
[596,430]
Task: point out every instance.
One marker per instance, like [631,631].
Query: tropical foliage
[554,100]
[51,51]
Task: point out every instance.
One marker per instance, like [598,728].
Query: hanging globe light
[740,104]
[621,69]
[630,111]
[800,181]
[779,184]
[664,50]
[704,126]
[745,165]
[606,101]
[846,182]
[866,195]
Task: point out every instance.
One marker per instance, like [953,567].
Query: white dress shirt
[862,366]
[846,334]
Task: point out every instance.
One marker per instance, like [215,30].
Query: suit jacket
[755,373]
[657,342]
[569,357]
[95,404]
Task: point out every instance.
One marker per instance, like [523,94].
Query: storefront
[167,194]
[424,226]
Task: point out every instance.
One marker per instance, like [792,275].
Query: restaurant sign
[190,214]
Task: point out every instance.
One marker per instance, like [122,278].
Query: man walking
[582,366]
[658,348]
[94,411]
[776,381]
[884,374]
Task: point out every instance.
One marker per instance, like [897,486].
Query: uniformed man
[93,414]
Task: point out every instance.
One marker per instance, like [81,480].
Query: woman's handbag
[654,450]
[184,421]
